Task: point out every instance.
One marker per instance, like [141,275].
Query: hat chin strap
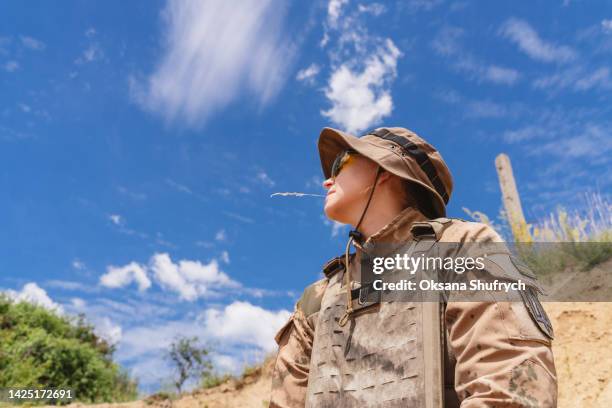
[358,236]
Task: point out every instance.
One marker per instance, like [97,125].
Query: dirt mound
[583,334]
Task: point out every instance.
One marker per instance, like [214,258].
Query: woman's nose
[328,183]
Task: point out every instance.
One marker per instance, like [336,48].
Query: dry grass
[561,240]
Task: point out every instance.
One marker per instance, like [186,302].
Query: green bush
[40,349]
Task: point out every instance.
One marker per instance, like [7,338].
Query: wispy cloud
[265,179]
[308,74]
[207,64]
[11,66]
[449,43]
[415,6]
[239,217]
[376,9]
[576,78]
[526,37]
[92,53]
[32,43]
[334,8]
[501,75]
[336,227]
[116,219]
[481,108]
[221,235]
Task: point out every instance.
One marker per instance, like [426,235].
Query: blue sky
[140,143]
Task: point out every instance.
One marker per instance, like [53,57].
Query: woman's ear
[384,176]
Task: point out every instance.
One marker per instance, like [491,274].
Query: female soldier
[339,349]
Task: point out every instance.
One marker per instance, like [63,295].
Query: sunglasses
[341,160]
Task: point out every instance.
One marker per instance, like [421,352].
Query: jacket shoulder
[455,230]
[310,301]
[469,231]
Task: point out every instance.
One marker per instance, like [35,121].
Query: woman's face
[348,192]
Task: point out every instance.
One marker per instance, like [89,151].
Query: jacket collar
[395,233]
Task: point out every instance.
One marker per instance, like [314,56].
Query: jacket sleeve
[290,376]
[295,339]
[502,358]
[501,346]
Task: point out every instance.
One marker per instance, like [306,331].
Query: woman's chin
[333,212]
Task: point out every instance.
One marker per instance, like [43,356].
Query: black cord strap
[418,154]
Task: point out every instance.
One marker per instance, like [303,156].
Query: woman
[344,350]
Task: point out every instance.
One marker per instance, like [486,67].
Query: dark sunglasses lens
[339,162]
[337,165]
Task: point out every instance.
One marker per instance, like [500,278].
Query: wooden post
[511,198]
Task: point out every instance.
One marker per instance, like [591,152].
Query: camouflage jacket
[497,353]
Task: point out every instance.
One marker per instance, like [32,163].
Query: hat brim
[332,142]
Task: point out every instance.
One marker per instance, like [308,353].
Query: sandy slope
[583,336]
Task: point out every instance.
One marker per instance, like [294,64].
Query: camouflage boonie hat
[397,150]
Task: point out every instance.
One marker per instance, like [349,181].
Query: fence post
[511,199]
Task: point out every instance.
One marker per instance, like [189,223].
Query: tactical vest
[389,354]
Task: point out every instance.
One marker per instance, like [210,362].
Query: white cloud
[92,53]
[78,264]
[375,9]
[336,227]
[118,277]
[591,140]
[242,322]
[32,293]
[78,303]
[109,331]
[221,235]
[238,333]
[528,40]
[576,78]
[600,77]
[484,109]
[415,6]
[32,43]
[362,98]
[190,279]
[116,219]
[225,257]
[308,74]
[448,43]
[214,51]
[11,66]
[525,133]
[606,25]
[263,178]
[362,65]
[334,9]
[501,75]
